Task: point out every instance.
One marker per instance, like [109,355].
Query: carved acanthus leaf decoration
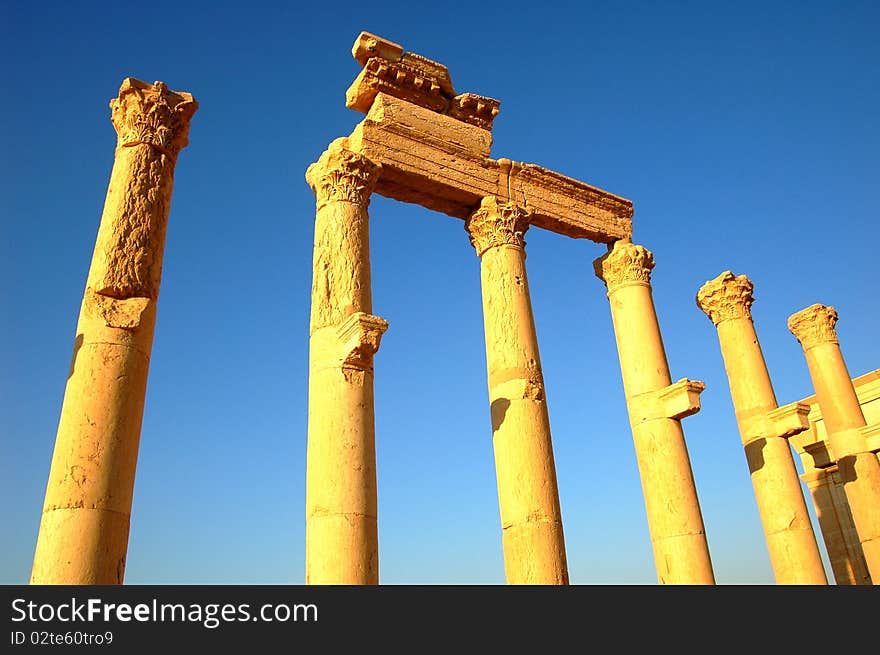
[152,114]
[342,175]
[814,325]
[624,263]
[726,297]
[497,224]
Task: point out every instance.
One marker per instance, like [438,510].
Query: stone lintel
[677,401]
[820,452]
[782,422]
[443,164]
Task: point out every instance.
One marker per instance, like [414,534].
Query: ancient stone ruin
[422,142]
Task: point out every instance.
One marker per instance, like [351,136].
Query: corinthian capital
[726,297]
[341,174]
[814,325]
[497,224]
[624,263]
[152,114]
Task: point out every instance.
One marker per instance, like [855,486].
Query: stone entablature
[413,78]
[813,444]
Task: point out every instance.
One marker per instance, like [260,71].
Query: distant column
[83,537]
[838,530]
[531,520]
[764,428]
[342,545]
[656,407]
[858,467]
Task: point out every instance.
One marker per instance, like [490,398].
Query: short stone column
[83,537]
[656,407]
[764,428]
[858,467]
[531,520]
[342,544]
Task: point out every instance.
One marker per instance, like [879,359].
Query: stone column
[531,520]
[83,535]
[838,530]
[342,544]
[764,428]
[858,467]
[656,407]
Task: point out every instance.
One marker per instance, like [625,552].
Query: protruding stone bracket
[821,454]
[531,388]
[677,401]
[782,422]
[122,313]
[359,336]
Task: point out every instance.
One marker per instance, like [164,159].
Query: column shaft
[678,537]
[341,502]
[528,497]
[791,542]
[83,537]
[859,468]
[838,531]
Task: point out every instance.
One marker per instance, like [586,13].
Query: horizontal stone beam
[443,164]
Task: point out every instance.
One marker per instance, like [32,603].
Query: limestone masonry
[422,142]
[83,534]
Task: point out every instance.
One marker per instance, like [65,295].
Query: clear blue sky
[746,136]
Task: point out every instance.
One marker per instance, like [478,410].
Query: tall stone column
[656,407]
[764,428]
[528,497]
[858,467]
[838,530]
[83,535]
[342,545]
